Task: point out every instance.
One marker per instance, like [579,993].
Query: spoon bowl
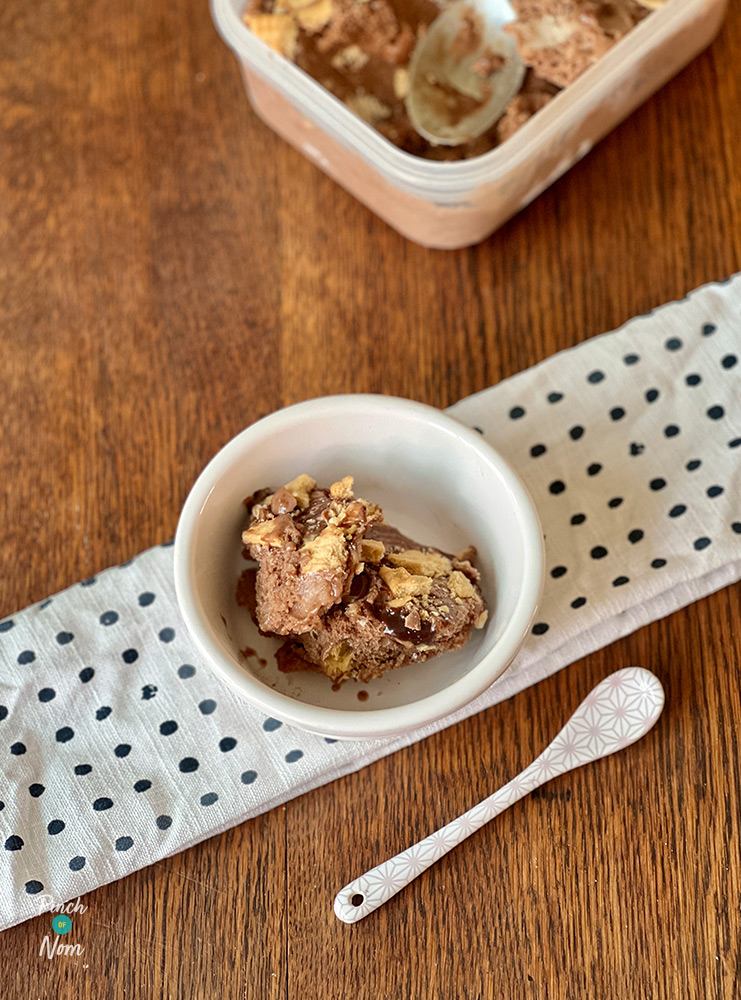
[463,72]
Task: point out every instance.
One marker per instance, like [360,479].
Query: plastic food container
[457,204]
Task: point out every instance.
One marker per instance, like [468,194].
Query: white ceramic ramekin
[437,480]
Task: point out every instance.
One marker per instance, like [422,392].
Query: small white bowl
[438,482]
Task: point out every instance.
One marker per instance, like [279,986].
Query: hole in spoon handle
[374,888]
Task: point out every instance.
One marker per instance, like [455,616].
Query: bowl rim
[373,723]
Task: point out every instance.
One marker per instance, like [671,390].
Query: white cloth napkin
[119,747]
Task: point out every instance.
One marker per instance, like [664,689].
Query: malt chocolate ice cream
[352,596]
[360,51]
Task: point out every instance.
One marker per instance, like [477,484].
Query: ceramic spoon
[451,63]
[619,711]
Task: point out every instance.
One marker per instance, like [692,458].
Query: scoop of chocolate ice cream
[353,596]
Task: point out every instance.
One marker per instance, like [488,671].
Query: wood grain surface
[169,272]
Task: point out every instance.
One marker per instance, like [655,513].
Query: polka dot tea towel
[117,745]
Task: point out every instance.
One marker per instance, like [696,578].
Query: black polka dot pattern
[120,745]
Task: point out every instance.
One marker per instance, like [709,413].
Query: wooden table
[169,272]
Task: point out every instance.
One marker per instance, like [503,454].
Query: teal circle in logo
[62,924]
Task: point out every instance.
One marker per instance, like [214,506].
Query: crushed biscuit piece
[342,490]
[301,487]
[481,620]
[372,551]
[325,552]
[279,31]
[351,57]
[422,563]
[338,661]
[467,554]
[315,16]
[295,5]
[369,108]
[401,82]
[404,584]
[460,585]
[263,533]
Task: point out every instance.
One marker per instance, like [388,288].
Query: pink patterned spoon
[619,711]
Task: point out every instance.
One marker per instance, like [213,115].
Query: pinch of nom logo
[55,946]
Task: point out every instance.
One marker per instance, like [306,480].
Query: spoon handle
[365,894]
[621,709]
